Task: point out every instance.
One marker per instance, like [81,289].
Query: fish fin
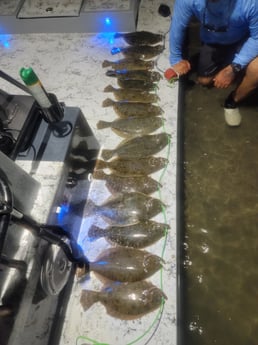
[95,232]
[106,63]
[88,298]
[103,124]
[109,88]
[99,175]
[121,133]
[100,164]
[107,102]
[125,317]
[107,154]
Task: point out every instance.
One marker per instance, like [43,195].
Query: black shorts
[214,57]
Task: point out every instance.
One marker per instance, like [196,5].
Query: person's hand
[224,78]
[182,67]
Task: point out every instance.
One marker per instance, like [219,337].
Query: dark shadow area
[219,208]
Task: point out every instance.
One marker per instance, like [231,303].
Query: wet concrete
[220,276]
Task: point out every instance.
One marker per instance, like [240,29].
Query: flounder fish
[132,167]
[129,109]
[140,235]
[125,264]
[130,95]
[140,37]
[124,74]
[129,64]
[144,52]
[122,184]
[137,84]
[126,208]
[132,126]
[126,301]
[138,147]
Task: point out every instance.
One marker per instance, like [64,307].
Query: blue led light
[115,50]
[62,212]
[108,21]
[5,41]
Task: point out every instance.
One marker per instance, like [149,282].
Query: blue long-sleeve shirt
[239,16]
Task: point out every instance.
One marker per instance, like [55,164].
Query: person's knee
[252,69]
[205,81]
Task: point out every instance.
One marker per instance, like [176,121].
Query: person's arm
[182,14]
[249,49]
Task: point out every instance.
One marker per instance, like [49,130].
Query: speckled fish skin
[130,95]
[140,37]
[126,208]
[126,264]
[124,184]
[124,74]
[125,301]
[132,167]
[138,147]
[128,109]
[144,52]
[133,126]
[140,235]
[137,84]
[129,64]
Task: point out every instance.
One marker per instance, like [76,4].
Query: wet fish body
[126,184]
[124,74]
[144,52]
[137,84]
[126,264]
[129,109]
[134,96]
[139,235]
[126,208]
[125,300]
[140,37]
[129,64]
[132,126]
[138,147]
[132,167]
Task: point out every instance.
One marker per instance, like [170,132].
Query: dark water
[220,302]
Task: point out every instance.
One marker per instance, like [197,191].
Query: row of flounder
[129,210]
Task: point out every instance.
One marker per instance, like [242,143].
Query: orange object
[170,73]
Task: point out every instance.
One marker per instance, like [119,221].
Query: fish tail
[100,164]
[107,154]
[107,102]
[109,88]
[99,175]
[95,232]
[106,63]
[103,124]
[88,298]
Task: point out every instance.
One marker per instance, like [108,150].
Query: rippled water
[221,222]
